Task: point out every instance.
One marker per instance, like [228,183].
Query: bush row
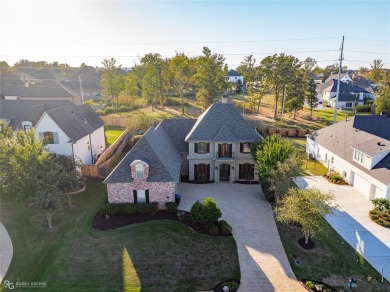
[380,217]
[363,108]
[119,109]
[128,209]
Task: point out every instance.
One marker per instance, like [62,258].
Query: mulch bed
[101,222]
[309,245]
[303,282]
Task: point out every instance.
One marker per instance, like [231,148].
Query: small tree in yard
[307,208]
[202,213]
[280,176]
[48,203]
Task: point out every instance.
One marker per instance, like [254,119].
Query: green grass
[152,256]
[331,256]
[310,166]
[112,133]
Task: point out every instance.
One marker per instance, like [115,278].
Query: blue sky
[89,31]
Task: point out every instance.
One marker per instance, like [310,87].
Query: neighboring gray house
[359,150]
[215,147]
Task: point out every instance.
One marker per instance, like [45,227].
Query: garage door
[379,193]
[362,185]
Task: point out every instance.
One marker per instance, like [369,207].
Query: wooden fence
[285,132]
[116,121]
[104,165]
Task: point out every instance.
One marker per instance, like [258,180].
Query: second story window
[48,137]
[245,147]
[202,148]
[358,156]
[139,170]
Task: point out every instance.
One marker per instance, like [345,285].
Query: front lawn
[310,166]
[152,256]
[331,261]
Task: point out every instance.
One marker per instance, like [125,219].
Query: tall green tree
[210,77]
[307,208]
[112,82]
[280,176]
[278,71]
[131,88]
[375,74]
[382,102]
[308,66]
[48,203]
[311,95]
[295,96]
[182,69]
[248,69]
[154,81]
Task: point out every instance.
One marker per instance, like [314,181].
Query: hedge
[128,209]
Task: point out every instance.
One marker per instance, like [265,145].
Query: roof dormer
[140,168]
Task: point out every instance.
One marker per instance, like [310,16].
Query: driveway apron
[351,221]
[263,262]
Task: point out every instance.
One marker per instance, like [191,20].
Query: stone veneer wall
[160,192]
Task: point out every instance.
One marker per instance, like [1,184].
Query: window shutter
[208,148]
[40,134]
[147,196]
[208,171]
[135,196]
[252,171]
[240,171]
[55,138]
[219,150]
[195,172]
[241,148]
[230,150]
[196,147]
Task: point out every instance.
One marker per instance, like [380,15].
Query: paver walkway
[263,261]
[351,221]
[6,251]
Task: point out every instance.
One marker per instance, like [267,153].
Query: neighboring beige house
[359,150]
[213,148]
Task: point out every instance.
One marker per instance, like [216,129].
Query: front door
[224,172]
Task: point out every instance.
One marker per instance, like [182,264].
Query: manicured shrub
[110,110]
[310,284]
[363,108]
[128,209]
[208,211]
[225,227]
[171,207]
[101,112]
[381,204]
[214,229]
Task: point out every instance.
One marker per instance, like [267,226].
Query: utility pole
[284,101]
[338,82]
[81,90]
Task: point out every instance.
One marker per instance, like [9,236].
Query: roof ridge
[198,121]
[222,127]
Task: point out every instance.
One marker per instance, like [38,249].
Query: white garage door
[379,193]
[362,185]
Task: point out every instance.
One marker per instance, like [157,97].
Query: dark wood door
[224,172]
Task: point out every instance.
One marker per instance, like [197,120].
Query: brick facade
[184,167]
[160,192]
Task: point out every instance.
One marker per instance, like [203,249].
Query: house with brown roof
[359,150]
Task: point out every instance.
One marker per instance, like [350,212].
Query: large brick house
[213,148]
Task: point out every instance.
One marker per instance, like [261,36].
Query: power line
[367,52]
[370,40]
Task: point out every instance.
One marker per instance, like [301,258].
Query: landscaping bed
[381,212]
[335,178]
[102,222]
[313,285]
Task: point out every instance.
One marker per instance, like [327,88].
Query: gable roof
[314,77]
[233,73]
[212,124]
[361,132]
[331,86]
[336,76]
[158,149]
[346,96]
[18,111]
[364,83]
[177,130]
[41,88]
[76,121]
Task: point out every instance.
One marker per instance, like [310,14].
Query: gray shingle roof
[18,111]
[341,137]
[233,73]
[364,83]
[221,115]
[177,130]
[158,149]
[76,121]
[346,96]
[331,86]
[336,76]
[45,88]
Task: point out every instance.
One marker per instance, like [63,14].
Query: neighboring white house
[235,77]
[344,77]
[359,150]
[67,129]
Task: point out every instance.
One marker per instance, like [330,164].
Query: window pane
[139,168]
[141,198]
[202,148]
[247,148]
[48,138]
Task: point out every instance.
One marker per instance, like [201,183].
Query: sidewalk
[6,251]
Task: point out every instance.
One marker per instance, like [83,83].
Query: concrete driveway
[263,262]
[353,224]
